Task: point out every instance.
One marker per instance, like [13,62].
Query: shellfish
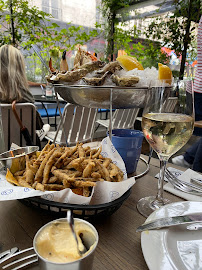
[125,81]
[97,81]
[112,66]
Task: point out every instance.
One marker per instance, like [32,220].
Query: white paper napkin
[174,171]
[186,176]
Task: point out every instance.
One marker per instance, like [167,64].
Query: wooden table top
[119,245]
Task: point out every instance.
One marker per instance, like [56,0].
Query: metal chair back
[77,125]
[122,119]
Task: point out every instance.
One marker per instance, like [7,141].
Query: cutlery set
[194,187]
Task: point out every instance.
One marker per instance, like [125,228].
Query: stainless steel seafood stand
[103,96]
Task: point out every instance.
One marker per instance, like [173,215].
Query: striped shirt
[198,76]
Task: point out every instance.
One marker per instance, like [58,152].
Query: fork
[184,189]
[183,183]
[183,186]
[19,260]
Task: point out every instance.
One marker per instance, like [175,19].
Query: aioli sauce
[56,242]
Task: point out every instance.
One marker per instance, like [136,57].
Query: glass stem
[159,195]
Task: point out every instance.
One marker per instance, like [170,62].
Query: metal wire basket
[80,211]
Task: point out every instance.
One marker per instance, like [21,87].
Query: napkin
[186,176]
[174,171]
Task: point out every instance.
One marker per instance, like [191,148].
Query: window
[45,3]
[45,9]
[55,13]
[54,4]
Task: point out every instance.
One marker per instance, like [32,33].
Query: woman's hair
[12,74]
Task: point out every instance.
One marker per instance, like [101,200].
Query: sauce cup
[83,263]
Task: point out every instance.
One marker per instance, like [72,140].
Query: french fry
[49,165]
[88,169]
[84,184]
[86,191]
[19,173]
[39,174]
[23,183]
[53,187]
[81,151]
[57,168]
[29,172]
[78,191]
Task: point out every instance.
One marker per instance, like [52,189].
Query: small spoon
[70,220]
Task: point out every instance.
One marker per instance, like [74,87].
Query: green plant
[121,36]
[23,25]
[116,37]
[149,54]
[177,30]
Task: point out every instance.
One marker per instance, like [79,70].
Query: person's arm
[36,84]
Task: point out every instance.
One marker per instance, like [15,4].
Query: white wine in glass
[167,129]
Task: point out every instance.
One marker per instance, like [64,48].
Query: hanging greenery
[177,30]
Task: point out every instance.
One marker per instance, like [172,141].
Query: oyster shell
[112,66]
[91,66]
[97,81]
[69,76]
[125,81]
[76,74]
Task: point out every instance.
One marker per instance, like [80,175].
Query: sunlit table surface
[119,245]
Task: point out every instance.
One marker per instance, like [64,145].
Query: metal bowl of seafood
[16,158]
[101,96]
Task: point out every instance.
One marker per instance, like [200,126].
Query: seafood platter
[96,84]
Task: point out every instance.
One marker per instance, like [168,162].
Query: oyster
[112,66]
[125,81]
[69,76]
[97,81]
[91,66]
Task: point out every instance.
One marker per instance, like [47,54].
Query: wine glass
[167,124]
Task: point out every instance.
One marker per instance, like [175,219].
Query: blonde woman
[13,80]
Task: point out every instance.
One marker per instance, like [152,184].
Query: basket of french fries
[88,181]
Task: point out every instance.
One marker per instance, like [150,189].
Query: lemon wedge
[165,73]
[128,62]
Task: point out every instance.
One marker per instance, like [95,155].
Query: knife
[170,221]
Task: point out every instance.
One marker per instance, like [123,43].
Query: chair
[11,128]
[122,119]
[77,125]
[168,106]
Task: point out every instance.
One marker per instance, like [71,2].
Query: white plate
[175,247]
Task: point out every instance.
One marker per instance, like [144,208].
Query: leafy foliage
[177,30]
[23,25]
[33,26]
[120,36]
[114,33]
